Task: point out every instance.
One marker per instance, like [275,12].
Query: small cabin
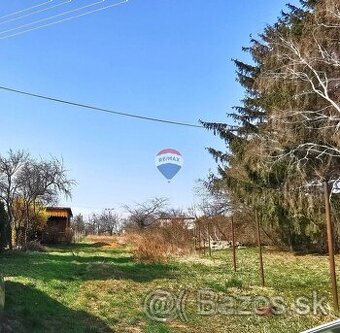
[58,225]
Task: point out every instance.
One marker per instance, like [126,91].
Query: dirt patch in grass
[103,241]
[196,259]
[101,244]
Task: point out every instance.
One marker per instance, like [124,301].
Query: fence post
[260,247]
[330,247]
[233,241]
[209,239]
[2,298]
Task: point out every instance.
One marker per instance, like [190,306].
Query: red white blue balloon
[169,161]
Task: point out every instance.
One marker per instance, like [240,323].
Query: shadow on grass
[98,264]
[79,246]
[30,310]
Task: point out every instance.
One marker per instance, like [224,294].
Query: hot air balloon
[169,161]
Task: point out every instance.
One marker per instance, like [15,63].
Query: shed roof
[59,212]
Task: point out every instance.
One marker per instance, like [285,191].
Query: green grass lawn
[85,288]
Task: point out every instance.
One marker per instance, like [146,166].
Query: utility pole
[330,247]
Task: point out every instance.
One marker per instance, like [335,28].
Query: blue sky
[160,58]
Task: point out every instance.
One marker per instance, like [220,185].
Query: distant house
[58,226]
[188,222]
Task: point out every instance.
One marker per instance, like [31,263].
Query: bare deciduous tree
[145,214]
[10,167]
[78,223]
[39,183]
[107,222]
[311,62]
[211,201]
[35,182]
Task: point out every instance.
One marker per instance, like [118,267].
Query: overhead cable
[25,10]
[99,109]
[34,12]
[58,21]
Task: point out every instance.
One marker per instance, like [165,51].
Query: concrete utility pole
[330,247]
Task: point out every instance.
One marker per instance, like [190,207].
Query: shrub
[234,282]
[34,246]
[151,252]
[69,233]
[158,244]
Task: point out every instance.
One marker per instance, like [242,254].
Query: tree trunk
[17,234]
[3,238]
[26,224]
[9,227]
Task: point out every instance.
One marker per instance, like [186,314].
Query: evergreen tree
[264,166]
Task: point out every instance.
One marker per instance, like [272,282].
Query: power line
[98,109]
[25,10]
[62,20]
[35,12]
[52,17]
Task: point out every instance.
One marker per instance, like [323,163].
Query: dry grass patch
[103,241]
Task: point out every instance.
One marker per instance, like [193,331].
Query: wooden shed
[58,226]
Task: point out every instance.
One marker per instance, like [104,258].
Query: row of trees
[107,222]
[27,185]
[138,217]
[284,140]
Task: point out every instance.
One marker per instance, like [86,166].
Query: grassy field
[92,288]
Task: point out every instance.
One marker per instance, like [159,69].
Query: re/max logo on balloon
[169,161]
[169,158]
